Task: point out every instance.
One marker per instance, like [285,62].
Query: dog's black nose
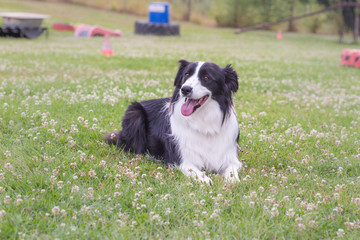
[186,90]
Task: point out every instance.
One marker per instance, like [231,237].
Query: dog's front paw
[195,173]
[205,179]
[232,177]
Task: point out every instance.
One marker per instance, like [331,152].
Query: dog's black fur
[146,130]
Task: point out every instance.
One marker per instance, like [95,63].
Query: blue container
[159,12]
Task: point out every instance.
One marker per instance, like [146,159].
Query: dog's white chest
[204,140]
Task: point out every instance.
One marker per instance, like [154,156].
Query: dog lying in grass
[195,130]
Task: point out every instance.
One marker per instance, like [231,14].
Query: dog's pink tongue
[188,107]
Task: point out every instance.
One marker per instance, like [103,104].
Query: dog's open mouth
[190,105]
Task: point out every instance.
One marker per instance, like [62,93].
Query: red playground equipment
[64,27]
[357,61]
[84,30]
[350,57]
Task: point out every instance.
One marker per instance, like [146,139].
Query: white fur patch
[199,90]
[205,142]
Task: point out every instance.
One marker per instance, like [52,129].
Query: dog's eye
[206,78]
[187,75]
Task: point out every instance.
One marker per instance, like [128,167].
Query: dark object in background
[159,21]
[348,14]
[22,25]
[156,28]
[349,17]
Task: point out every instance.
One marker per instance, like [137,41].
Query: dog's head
[198,82]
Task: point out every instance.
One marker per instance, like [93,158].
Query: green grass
[298,112]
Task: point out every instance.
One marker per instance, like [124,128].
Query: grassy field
[298,111]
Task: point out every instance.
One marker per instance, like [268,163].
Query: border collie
[195,130]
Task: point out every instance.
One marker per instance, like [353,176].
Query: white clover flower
[2,214]
[52,122]
[313,132]
[112,135]
[340,233]
[63,212]
[155,217]
[75,189]
[167,211]
[300,227]
[19,201]
[56,210]
[85,209]
[262,114]
[290,213]
[312,224]
[92,173]
[7,154]
[253,195]
[7,199]
[60,184]
[214,215]
[274,212]
[356,201]
[338,209]
[8,166]
[158,176]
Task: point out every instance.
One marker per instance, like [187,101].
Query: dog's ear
[178,79]
[231,78]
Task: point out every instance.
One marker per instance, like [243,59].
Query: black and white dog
[195,130]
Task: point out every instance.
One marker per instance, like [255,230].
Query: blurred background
[244,13]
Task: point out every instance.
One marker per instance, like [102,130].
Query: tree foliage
[240,13]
